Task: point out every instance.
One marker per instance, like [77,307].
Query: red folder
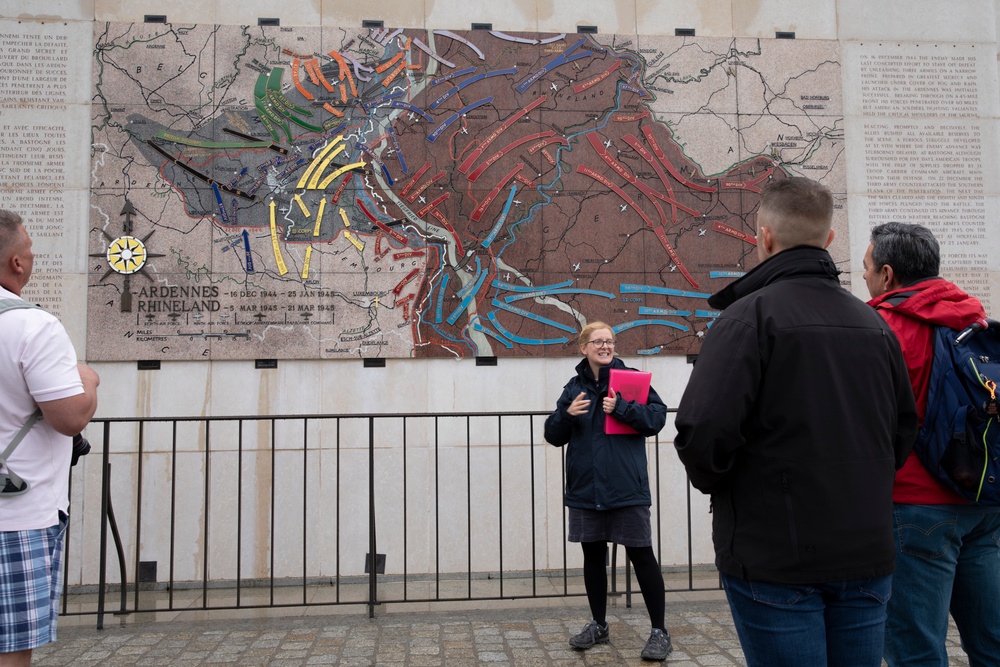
[632,386]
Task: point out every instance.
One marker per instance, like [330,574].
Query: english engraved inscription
[924,152]
[915,84]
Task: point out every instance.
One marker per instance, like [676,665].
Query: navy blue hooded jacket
[603,471]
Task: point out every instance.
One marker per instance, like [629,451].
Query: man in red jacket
[947,550]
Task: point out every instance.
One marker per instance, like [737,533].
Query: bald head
[15,252]
[794,211]
[10,233]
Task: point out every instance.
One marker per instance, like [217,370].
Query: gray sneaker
[658,647]
[592,633]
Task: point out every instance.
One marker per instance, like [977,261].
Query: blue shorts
[30,586]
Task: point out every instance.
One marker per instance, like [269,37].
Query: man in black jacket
[795,419]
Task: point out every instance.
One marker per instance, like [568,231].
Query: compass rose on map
[126,254]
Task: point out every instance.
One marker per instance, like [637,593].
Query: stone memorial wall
[919,144]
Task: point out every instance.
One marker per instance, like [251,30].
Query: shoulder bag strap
[14,304]
[12,480]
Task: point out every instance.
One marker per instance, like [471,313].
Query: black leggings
[647,572]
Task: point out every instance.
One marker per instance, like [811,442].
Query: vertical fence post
[690,539]
[372,553]
[105,492]
[614,568]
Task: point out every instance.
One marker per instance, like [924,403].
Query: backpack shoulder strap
[10,483]
[14,304]
[32,420]
[897,299]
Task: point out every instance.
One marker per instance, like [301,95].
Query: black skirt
[628,526]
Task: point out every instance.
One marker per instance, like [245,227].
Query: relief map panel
[318,193]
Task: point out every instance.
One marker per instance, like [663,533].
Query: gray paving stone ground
[499,635]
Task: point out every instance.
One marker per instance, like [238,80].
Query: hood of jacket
[934,301]
[799,261]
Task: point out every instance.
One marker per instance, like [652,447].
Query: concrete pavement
[500,634]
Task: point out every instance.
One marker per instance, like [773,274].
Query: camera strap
[12,484]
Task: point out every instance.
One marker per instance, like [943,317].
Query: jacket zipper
[793,534]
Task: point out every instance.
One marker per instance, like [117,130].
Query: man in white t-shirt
[38,370]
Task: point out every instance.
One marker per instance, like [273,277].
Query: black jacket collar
[583,370]
[801,260]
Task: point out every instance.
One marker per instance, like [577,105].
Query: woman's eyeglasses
[602,343]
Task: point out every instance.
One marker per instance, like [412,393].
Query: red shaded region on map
[612,202]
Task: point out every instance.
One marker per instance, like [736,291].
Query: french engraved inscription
[34,69]
[34,77]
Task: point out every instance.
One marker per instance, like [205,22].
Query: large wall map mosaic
[307,193]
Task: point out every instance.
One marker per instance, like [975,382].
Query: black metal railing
[277,511]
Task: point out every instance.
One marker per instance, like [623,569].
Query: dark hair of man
[10,233]
[911,251]
[800,211]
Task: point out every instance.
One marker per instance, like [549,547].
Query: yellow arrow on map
[302,204]
[335,175]
[319,216]
[305,264]
[318,164]
[278,259]
[322,167]
[349,236]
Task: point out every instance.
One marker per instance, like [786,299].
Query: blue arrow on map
[246,246]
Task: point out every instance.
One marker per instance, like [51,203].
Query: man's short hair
[799,211]
[10,233]
[911,251]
